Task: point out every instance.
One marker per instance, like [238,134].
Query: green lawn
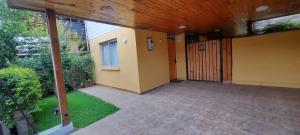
[83,110]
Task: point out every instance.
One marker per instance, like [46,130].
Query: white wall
[95,29]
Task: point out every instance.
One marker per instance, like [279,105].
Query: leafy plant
[22,23]
[16,23]
[42,65]
[20,90]
[78,70]
[7,48]
[69,40]
[19,24]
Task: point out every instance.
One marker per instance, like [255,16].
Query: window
[284,23]
[110,54]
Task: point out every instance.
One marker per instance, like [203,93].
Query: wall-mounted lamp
[149,43]
[124,40]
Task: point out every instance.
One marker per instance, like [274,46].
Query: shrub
[78,70]
[42,65]
[20,90]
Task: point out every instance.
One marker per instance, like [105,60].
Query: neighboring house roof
[94,29]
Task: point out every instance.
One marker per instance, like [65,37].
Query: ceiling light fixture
[182,27]
[262,8]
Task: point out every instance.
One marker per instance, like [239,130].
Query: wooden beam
[57,67]
[250,31]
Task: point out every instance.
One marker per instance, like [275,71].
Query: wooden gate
[172,59]
[205,61]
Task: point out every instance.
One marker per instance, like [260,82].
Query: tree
[16,23]
[21,22]
[7,48]
[68,39]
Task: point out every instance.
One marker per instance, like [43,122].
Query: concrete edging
[59,130]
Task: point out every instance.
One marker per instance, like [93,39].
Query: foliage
[78,70]
[21,84]
[16,23]
[21,22]
[42,65]
[7,48]
[28,29]
[68,38]
[30,25]
[83,110]
[281,27]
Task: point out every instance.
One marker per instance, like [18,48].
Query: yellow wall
[140,70]
[270,59]
[153,65]
[180,56]
[127,76]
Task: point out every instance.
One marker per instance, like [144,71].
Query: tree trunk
[21,124]
[4,130]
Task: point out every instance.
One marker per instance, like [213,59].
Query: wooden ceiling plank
[202,16]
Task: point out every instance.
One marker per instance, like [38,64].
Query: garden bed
[83,110]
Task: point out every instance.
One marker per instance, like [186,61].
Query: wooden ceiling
[203,16]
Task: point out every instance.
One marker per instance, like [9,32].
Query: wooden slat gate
[205,61]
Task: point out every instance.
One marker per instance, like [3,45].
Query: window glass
[110,56]
[284,23]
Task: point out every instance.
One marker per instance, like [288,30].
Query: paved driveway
[192,108]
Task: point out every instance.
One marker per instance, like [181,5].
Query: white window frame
[111,65]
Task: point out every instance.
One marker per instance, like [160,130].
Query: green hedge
[78,70]
[42,65]
[20,89]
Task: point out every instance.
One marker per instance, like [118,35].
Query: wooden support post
[57,67]
[250,31]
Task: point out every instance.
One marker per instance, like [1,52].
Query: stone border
[59,130]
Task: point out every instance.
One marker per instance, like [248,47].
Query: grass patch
[83,110]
